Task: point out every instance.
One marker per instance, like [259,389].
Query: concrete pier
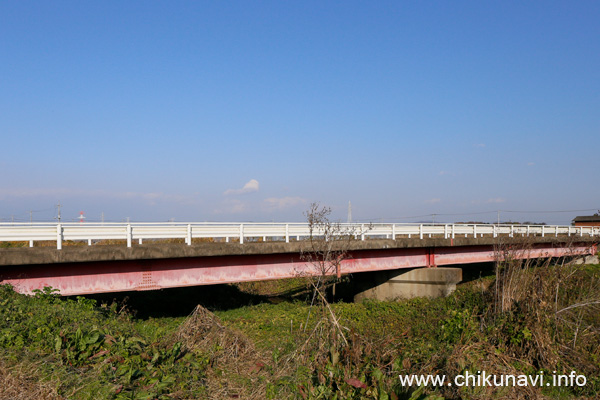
[405,284]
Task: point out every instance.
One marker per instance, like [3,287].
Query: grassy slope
[52,347]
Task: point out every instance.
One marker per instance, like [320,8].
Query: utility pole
[31,216]
[349,212]
[433,218]
[498,217]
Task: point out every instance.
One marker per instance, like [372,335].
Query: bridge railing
[267,231]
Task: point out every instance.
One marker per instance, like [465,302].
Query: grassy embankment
[519,323]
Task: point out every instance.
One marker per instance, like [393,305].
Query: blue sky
[249,111]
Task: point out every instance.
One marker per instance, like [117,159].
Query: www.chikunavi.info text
[481,378]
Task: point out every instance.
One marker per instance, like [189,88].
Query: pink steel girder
[135,275]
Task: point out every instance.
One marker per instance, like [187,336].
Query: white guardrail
[93,232]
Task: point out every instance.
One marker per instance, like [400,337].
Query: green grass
[92,352]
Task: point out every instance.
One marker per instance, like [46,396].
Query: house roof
[587,218]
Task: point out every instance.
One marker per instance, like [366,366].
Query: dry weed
[236,369]
[481,356]
[551,307]
[16,383]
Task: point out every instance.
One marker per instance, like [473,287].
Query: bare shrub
[327,246]
[327,346]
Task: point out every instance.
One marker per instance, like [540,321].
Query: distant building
[592,220]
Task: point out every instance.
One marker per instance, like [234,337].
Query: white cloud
[232,206]
[496,200]
[28,192]
[433,201]
[251,186]
[283,202]
[58,193]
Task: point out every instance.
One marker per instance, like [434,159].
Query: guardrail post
[542,230]
[129,235]
[527,230]
[475,231]
[362,231]
[581,231]
[453,231]
[287,233]
[31,242]
[569,230]
[512,231]
[241,233]
[59,236]
[89,242]
[421,231]
[189,235]
[495,232]
[393,231]
[556,231]
[445,231]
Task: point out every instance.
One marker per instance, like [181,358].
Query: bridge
[85,258]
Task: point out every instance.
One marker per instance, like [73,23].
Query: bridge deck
[95,269]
